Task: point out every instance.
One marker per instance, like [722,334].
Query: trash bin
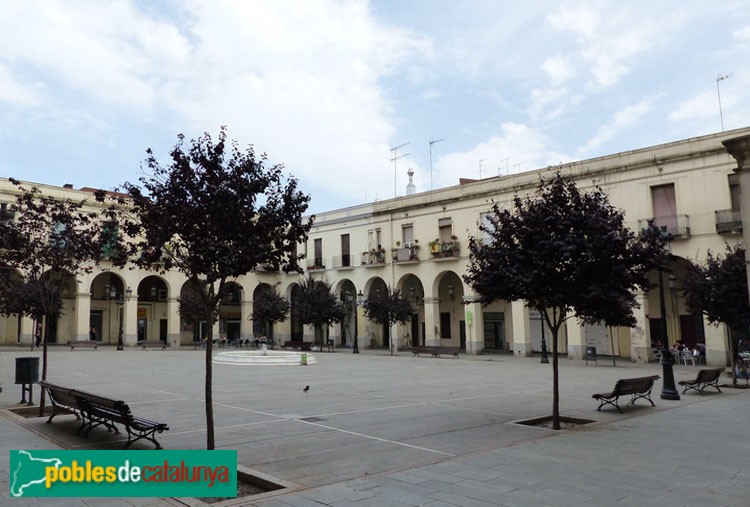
[303,360]
[27,370]
[591,355]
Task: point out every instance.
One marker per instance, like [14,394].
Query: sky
[329,88]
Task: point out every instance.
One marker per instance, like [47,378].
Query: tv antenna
[395,161]
[432,141]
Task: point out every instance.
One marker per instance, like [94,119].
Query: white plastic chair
[687,355]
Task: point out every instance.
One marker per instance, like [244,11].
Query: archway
[412,289]
[106,313]
[451,324]
[152,309]
[230,314]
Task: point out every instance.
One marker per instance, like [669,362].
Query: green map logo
[123,473]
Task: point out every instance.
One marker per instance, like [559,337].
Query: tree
[315,304]
[269,307]
[388,307]
[48,241]
[214,213]
[718,289]
[566,254]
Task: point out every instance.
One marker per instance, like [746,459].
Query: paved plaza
[376,430]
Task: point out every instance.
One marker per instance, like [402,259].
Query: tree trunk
[44,370]
[555,382]
[209,381]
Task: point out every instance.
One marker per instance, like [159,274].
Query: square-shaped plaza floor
[402,430]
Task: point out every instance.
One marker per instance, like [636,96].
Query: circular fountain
[264,358]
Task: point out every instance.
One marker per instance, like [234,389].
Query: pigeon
[307,388]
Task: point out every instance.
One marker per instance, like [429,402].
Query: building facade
[418,244]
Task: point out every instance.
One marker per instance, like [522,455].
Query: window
[373,239]
[664,206]
[345,251]
[110,236]
[407,235]
[734,191]
[484,220]
[6,214]
[318,253]
[445,228]
[445,325]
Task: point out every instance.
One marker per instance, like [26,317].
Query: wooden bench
[62,400]
[152,344]
[436,351]
[297,344]
[83,343]
[98,410]
[705,378]
[634,387]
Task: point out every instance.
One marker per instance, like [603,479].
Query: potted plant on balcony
[434,246]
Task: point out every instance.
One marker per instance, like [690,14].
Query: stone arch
[412,288]
[108,291]
[152,314]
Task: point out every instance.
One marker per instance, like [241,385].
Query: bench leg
[609,401]
[148,435]
[710,384]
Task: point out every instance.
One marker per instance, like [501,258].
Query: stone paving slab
[381,430]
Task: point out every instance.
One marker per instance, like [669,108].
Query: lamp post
[668,391]
[355,343]
[545,359]
[121,302]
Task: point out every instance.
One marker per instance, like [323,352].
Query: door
[163,330]
[233,331]
[415,329]
[96,320]
[462,333]
[142,334]
[345,253]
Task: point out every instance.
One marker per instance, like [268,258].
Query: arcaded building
[418,244]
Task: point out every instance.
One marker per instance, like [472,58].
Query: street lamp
[355,342]
[668,391]
[121,302]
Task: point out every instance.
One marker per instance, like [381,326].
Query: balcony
[728,221]
[266,268]
[678,226]
[445,249]
[374,257]
[409,253]
[315,264]
[341,262]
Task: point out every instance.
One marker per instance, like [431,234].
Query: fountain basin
[263,358]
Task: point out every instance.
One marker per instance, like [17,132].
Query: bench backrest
[100,406]
[60,395]
[709,375]
[634,385]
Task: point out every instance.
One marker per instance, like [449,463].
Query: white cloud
[558,68]
[299,80]
[517,148]
[16,93]
[626,117]
[581,20]
[742,35]
[702,105]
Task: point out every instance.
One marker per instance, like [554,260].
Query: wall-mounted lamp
[360,298]
[672,281]
[153,292]
[451,292]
